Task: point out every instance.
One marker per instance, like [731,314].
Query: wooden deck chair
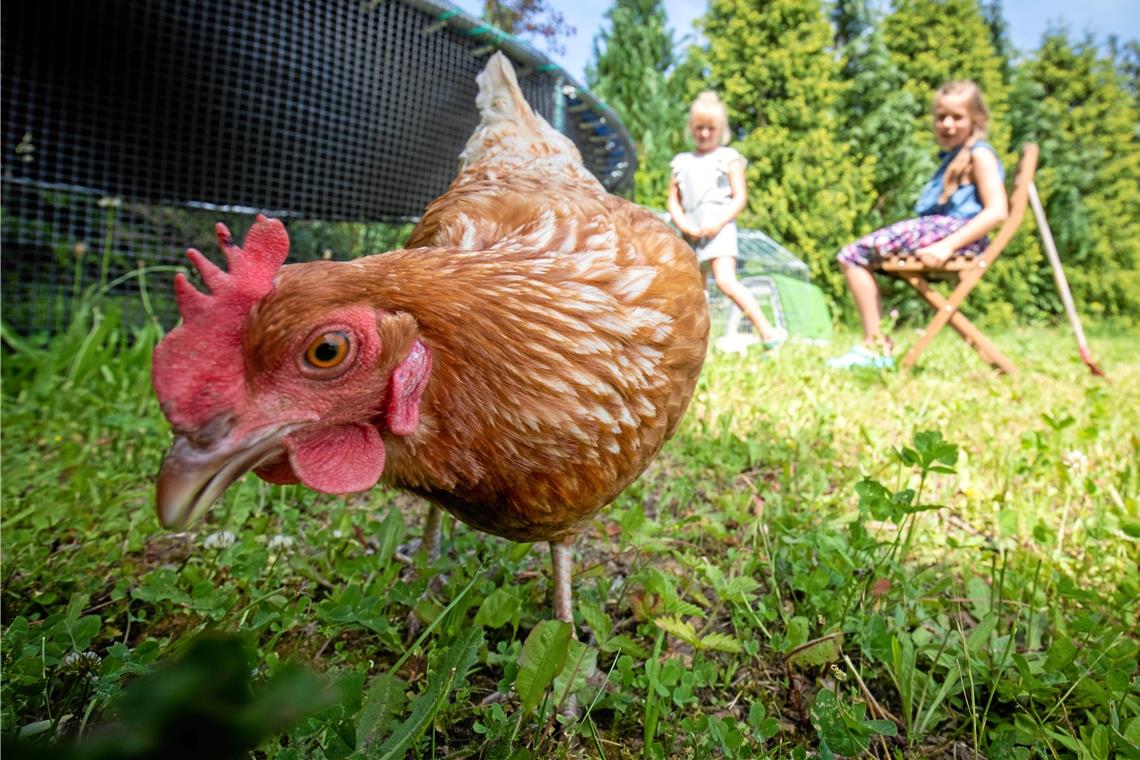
[969,270]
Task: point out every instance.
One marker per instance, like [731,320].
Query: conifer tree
[852,19]
[879,117]
[630,70]
[1127,58]
[994,17]
[935,41]
[1078,110]
[773,63]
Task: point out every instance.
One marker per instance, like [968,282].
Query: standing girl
[706,194]
[962,202]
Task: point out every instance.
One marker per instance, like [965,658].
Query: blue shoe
[861,356]
[780,339]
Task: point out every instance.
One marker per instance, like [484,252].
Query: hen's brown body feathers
[584,328]
[567,330]
[519,364]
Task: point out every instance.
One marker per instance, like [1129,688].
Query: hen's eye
[327,351]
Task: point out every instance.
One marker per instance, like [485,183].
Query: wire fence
[130,128]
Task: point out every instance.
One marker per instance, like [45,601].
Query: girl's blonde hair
[959,167]
[709,104]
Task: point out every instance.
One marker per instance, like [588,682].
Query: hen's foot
[413,624]
[432,537]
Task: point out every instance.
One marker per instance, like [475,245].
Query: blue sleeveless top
[965,202]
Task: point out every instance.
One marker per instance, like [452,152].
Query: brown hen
[518,365]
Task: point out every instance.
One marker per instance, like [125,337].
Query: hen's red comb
[198,368]
[250,275]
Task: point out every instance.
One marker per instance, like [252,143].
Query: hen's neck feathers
[511,135]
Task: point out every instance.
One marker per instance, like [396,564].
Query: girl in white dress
[706,194]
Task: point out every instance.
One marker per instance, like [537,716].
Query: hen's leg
[433,527]
[563,562]
[562,559]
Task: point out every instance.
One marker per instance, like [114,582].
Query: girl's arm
[739,199]
[677,212]
[995,209]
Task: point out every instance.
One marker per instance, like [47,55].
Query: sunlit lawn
[927,564]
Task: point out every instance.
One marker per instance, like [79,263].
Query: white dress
[705,195]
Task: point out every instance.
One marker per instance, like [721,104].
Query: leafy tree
[774,66]
[630,71]
[878,113]
[935,41]
[1077,108]
[1127,58]
[851,18]
[999,35]
[530,18]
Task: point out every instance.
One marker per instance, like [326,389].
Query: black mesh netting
[130,128]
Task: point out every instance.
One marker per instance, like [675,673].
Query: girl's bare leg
[724,273]
[866,293]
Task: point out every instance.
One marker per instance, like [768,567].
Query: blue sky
[1027,20]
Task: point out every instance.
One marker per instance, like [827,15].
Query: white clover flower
[1076,462]
[220,540]
[280,542]
[82,663]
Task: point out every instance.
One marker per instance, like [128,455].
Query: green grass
[935,564]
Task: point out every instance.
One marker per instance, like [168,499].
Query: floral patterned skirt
[904,238]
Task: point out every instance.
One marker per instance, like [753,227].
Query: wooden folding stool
[969,270]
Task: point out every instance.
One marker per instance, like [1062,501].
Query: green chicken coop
[781,284]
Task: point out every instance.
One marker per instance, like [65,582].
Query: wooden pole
[1059,278]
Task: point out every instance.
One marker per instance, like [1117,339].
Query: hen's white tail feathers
[499,94]
[509,128]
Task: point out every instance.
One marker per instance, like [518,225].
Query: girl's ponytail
[959,167]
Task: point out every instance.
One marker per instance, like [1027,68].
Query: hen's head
[275,371]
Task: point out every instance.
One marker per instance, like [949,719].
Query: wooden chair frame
[969,270]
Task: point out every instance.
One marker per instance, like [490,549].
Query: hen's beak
[193,477]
